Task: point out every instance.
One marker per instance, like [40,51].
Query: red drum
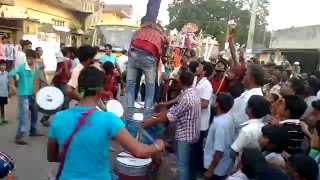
[131,168]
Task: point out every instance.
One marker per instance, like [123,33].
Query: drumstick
[145,133]
[149,137]
[138,135]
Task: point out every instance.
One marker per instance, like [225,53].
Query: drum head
[115,107]
[50,98]
[129,160]
[138,117]
[139,105]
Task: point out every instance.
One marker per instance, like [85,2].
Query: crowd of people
[233,118]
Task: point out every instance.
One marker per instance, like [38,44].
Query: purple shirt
[187,114]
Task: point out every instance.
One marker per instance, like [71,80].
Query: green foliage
[212,16]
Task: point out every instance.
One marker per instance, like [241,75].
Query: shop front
[11,28]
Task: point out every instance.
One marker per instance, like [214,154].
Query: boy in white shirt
[204,91]
[217,158]
[257,108]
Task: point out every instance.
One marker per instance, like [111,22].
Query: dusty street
[31,162]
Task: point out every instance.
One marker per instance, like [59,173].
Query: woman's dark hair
[186,78]
[108,67]
[86,52]
[259,106]
[90,81]
[295,105]
[193,66]
[208,68]
[225,102]
[304,166]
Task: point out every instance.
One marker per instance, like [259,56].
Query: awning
[61,28]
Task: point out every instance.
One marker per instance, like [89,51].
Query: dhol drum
[49,100]
[138,117]
[115,107]
[6,164]
[139,105]
[131,168]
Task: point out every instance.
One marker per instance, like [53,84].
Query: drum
[131,168]
[139,105]
[49,100]
[115,107]
[138,117]
[6,164]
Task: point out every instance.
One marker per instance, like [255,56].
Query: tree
[212,16]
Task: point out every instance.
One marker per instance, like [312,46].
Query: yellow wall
[43,11]
[109,18]
[113,19]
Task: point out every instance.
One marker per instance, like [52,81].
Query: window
[58,22]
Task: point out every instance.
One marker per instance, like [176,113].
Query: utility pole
[252,25]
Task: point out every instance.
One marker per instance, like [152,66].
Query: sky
[283,13]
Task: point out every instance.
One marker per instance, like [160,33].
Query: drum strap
[81,121]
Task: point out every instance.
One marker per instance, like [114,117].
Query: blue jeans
[183,160]
[25,105]
[139,60]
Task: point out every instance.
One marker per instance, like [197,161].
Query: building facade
[46,23]
[45,20]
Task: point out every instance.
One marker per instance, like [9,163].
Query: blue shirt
[112,58]
[4,84]
[26,79]
[88,155]
[220,137]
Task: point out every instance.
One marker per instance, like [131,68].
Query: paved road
[31,163]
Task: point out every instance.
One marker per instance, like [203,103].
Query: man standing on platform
[147,48]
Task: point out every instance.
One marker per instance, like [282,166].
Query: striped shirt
[152,36]
[187,114]
[295,135]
